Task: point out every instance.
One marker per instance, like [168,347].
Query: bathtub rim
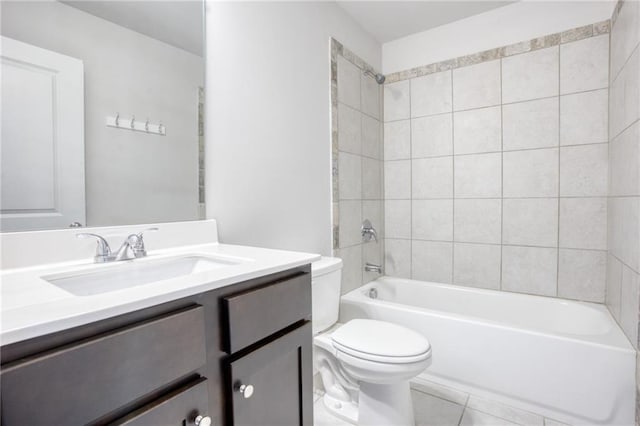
[617,340]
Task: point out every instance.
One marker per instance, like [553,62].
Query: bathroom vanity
[230,346]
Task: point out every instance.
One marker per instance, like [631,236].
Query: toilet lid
[380,339]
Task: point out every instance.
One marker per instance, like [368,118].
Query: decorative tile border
[337,49]
[550,40]
[616,12]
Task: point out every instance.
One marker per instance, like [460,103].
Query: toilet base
[388,405]
[344,410]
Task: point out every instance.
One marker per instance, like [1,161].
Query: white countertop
[31,306]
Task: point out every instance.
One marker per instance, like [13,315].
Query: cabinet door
[278,382]
[178,408]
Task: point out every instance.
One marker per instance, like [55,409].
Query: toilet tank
[326,276]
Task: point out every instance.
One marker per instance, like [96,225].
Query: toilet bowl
[365,365]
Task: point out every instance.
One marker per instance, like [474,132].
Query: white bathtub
[562,359]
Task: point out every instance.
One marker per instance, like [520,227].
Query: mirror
[102,113]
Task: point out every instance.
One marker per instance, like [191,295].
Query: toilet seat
[380,342]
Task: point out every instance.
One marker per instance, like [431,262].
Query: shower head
[379,78]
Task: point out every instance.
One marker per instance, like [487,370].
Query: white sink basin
[135,273]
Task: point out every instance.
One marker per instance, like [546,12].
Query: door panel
[279,373]
[42,138]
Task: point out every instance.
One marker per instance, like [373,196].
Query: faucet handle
[136,241]
[103,251]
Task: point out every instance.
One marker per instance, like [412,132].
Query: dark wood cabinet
[170,363]
[268,383]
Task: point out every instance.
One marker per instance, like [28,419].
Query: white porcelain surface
[478,176]
[531,75]
[125,275]
[584,64]
[32,307]
[431,94]
[531,124]
[476,86]
[477,130]
[432,136]
[482,339]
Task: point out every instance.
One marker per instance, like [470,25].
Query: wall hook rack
[137,126]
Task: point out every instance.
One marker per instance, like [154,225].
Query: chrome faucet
[132,247]
[368,231]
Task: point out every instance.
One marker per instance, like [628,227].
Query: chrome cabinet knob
[203,421]
[246,390]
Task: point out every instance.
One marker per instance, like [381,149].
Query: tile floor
[437,405]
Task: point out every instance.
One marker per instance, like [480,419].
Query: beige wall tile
[531,173]
[532,124]
[583,170]
[432,220]
[432,261]
[397,140]
[432,178]
[584,64]
[531,75]
[478,221]
[582,274]
[431,94]
[531,270]
[477,265]
[478,130]
[476,86]
[478,176]
[432,136]
[396,101]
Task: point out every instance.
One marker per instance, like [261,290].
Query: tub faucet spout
[370,267]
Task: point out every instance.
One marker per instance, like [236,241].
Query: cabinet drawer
[179,408]
[81,382]
[256,314]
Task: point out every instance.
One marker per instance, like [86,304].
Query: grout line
[559,174]
[410,260]
[453,186]
[502,175]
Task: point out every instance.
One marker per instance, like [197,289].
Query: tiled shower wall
[495,168]
[623,266]
[357,165]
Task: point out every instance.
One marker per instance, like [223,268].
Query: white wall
[131,177]
[517,22]
[268,176]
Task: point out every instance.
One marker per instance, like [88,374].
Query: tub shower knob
[203,421]
[245,390]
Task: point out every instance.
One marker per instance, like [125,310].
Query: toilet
[365,365]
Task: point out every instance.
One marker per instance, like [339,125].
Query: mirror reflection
[102,113]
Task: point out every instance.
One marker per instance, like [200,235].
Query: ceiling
[390,20]
[178,23]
